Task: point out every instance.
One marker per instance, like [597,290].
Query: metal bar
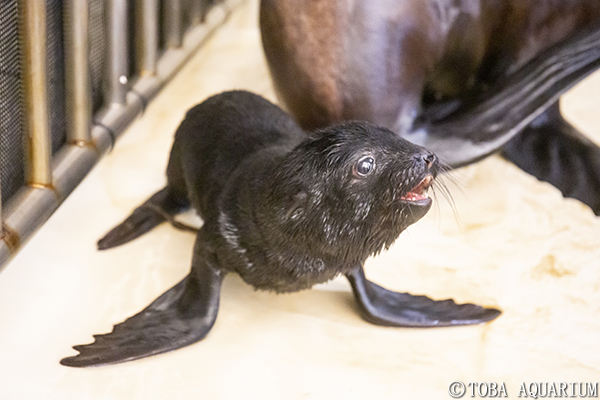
[147,36]
[29,208]
[117,59]
[77,72]
[196,12]
[37,137]
[173,59]
[173,24]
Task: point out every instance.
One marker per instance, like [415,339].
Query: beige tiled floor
[514,243]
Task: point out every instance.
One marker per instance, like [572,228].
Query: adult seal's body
[460,77]
[283,210]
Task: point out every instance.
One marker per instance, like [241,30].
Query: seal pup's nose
[428,158]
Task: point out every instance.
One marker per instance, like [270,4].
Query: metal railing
[167,33]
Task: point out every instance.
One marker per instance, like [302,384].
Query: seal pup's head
[351,191]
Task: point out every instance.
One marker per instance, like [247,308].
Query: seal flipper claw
[384,307]
[484,125]
[181,316]
[161,207]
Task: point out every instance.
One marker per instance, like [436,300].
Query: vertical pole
[77,72]
[196,12]
[147,36]
[173,24]
[38,147]
[118,55]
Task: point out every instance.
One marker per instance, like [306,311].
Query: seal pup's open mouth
[418,194]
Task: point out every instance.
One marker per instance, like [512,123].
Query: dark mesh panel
[56,73]
[97,51]
[11,102]
[161,25]
[131,14]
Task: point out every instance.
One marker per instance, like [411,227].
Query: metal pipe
[77,72]
[173,24]
[117,59]
[147,36]
[29,208]
[196,12]
[37,136]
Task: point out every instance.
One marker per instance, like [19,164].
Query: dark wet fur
[282,209]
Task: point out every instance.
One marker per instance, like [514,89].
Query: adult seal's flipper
[181,316]
[161,207]
[554,151]
[484,125]
[383,307]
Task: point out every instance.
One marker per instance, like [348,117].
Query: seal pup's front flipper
[484,125]
[161,207]
[181,316]
[384,307]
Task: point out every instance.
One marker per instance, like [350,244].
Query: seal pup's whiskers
[449,174]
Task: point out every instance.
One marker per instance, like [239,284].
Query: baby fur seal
[285,211]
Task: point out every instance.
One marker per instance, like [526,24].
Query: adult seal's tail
[285,211]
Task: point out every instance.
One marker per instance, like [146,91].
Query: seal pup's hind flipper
[484,125]
[181,316]
[161,207]
[384,307]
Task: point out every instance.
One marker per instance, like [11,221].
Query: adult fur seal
[283,210]
[460,77]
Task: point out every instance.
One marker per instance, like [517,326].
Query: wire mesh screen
[132,11]
[161,25]
[11,101]
[97,50]
[56,72]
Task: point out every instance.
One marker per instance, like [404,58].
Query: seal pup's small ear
[298,202]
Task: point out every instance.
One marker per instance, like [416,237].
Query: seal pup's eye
[364,166]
